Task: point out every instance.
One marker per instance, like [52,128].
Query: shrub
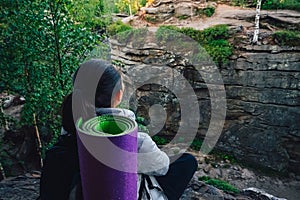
[216,32]
[289,38]
[209,11]
[193,33]
[118,27]
[220,50]
[213,39]
[281,4]
[159,140]
[239,3]
[135,5]
[196,144]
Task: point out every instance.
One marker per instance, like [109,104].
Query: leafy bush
[208,11]
[159,140]
[289,38]
[220,50]
[142,125]
[118,27]
[281,4]
[239,3]
[196,144]
[194,34]
[42,44]
[216,32]
[222,185]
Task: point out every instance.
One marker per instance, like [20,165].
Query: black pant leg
[179,175]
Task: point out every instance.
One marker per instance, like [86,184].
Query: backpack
[60,170]
[149,189]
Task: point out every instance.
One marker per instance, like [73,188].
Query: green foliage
[142,124]
[239,3]
[194,34]
[118,27]
[281,4]
[163,34]
[42,45]
[196,144]
[216,33]
[208,11]
[224,156]
[220,50]
[213,39]
[222,185]
[143,2]
[92,14]
[289,38]
[125,6]
[159,140]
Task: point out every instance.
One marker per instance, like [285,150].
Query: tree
[257,16]
[42,45]
[130,6]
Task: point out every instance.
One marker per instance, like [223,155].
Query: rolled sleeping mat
[107,148]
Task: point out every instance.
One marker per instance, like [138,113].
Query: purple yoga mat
[107,147]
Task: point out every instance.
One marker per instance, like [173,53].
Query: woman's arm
[151,160]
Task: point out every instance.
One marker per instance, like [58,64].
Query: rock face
[262,85]
[18,146]
[263,98]
[165,9]
[25,187]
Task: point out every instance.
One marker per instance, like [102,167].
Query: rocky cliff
[262,93]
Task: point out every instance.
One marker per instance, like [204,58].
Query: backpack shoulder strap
[143,188]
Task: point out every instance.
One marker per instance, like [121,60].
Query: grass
[220,184]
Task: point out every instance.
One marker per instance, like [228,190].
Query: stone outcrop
[25,187]
[263,98]
[165,9]
[18,145]
[262,85]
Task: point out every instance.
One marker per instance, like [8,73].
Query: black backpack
[60,172]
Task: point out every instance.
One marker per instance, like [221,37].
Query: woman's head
[109,90]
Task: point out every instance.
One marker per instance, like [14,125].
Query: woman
[60,174]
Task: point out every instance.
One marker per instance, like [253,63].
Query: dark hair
[109,83]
